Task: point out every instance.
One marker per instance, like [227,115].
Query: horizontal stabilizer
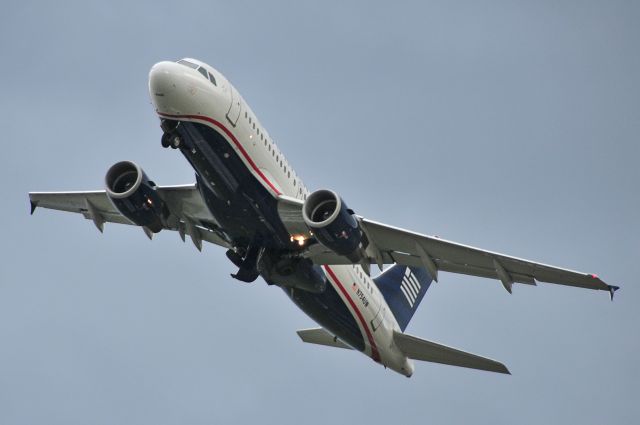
[321,337]
[420,349]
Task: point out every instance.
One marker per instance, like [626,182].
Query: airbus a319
[248,199]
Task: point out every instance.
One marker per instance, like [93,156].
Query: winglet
[34,205]
[612,290]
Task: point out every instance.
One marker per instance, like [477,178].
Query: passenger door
[234,109]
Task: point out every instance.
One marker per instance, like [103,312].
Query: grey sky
[512,126]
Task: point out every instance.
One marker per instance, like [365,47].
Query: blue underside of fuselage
[244,209]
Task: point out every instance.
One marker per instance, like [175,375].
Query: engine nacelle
[333,224]
[135,196]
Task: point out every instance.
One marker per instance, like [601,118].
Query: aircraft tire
[165,141]
[176,141]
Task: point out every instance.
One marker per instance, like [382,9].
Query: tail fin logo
[410,287]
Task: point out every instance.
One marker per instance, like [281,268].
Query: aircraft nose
[181,88]
[168,87]
[162,79]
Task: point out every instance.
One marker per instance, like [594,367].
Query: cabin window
[203,71]
[212,79]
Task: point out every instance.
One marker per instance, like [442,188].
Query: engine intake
[135,196]
[333,224]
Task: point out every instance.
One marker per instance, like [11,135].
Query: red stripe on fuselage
[374,349]
[233,139]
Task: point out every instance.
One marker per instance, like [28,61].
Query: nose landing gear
[170,137]
[170,140]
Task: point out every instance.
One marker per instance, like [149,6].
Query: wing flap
[420,349]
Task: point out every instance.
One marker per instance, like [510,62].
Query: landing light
[298,238]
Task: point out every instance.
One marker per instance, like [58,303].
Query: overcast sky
[512,126]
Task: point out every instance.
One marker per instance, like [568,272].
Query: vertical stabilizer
[403,288]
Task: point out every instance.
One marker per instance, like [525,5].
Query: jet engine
[135,196]
[333,224]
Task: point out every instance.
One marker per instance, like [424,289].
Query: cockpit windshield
[201,69]
[207,75]
[187,63]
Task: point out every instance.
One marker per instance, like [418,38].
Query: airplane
[248,199]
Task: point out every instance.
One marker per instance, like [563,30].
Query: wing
[389,245]
[189,214]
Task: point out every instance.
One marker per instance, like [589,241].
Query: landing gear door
[234,109]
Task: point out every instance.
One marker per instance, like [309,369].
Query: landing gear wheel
[176,141]
[165,141]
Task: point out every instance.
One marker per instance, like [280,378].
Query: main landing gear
[170,138]
[247,264]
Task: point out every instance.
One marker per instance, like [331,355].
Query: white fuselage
[182,93]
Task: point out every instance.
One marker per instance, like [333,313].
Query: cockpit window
[187,63]
[201,69]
